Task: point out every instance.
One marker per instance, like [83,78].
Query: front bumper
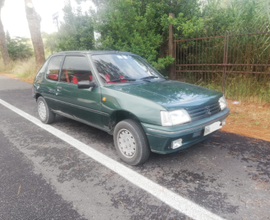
[160,138]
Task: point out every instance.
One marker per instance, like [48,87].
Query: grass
[25,69]
[242,87]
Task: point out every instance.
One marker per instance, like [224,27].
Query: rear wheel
[45,114]
[131,142]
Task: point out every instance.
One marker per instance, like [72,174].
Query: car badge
[208,110]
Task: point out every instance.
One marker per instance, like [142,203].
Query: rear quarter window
[41,72]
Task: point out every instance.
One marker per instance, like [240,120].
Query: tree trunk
[34,20]
[3,44]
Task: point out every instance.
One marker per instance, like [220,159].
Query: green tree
[141,26]
[76,32]
[138,26]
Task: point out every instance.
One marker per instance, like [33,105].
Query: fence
[236,64]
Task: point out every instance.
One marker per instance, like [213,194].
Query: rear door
[81,104]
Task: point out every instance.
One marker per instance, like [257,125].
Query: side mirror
[86,84]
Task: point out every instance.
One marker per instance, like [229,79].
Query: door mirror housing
[86,84]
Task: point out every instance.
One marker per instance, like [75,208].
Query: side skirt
[81,120]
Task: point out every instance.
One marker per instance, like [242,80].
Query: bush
[19,48]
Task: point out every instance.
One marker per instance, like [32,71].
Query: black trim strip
[80,107]
[81,120]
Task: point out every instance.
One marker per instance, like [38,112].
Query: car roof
[92,52]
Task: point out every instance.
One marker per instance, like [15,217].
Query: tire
[130,142]
[45,114]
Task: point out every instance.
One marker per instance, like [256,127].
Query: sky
[14,17]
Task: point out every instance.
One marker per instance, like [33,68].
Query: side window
[75,69]
[53,68]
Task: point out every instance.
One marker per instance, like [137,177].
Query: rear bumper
[160,138]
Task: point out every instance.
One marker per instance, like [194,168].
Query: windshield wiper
[149,77]
[119,80]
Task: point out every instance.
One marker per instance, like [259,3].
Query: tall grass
[245,87]
[25,69]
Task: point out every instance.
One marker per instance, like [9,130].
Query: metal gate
[236,64]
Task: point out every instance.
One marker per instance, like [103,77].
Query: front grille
[197,113]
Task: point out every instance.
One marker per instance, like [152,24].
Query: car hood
[170,94]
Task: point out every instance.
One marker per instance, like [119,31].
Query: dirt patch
[28,80]
[14,76]
[246,118]
[249,119]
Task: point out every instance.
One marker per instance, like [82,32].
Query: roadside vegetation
[141,27]
[21,60]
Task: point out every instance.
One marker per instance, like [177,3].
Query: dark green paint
[81,103]
[138,100]
[170,94]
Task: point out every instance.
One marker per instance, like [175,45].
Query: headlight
[222,103]
[174,117]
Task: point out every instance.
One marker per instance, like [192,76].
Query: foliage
[184,27]
[235,18]
[76,32]
[137,26]
[218,16]
[162,63]
[235,15]
[50,42]
[19,47]
[141,27]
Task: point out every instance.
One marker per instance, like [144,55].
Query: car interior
[75,76]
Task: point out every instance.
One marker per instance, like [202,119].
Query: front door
[49,85]
[81,104]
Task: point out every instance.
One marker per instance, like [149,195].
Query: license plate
[211,128]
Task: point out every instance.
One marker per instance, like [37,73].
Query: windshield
[123,68]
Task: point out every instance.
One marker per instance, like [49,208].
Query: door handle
[58,88]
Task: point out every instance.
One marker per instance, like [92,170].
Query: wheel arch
[37,95]
[120,115]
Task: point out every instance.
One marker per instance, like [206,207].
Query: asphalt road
[43,177]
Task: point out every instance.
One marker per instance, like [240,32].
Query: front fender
[145,110]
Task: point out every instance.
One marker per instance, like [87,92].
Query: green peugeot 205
[120,93]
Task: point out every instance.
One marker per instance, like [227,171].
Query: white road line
[177,202]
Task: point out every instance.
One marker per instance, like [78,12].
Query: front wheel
[131,142]
[45,114]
